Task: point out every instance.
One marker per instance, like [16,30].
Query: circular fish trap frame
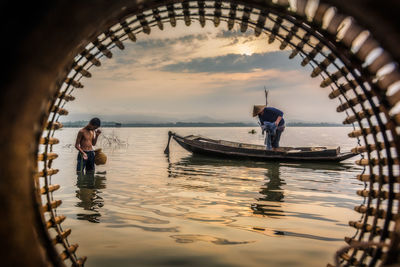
[353,66]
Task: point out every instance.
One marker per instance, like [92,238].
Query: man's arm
[262,126]
[280,116]
[278,120]
[78,144]
[96,135]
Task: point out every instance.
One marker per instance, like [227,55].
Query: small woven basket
[99,157]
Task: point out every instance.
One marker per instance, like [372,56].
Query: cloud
[223,96]
[233,34]
[232,63]
[177,45]
[176,73]
[234,41]
[162,43]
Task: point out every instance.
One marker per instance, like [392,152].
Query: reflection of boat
[193,173]
[221,148]
[201,160]
[198,167]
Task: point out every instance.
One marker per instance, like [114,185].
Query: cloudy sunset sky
[200,74]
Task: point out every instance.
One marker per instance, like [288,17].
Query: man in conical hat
[271,119]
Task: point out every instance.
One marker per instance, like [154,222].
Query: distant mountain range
[144,118]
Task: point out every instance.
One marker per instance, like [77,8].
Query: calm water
[147,209]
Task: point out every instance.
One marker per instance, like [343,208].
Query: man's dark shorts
[83,164]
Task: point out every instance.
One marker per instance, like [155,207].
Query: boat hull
[215,149]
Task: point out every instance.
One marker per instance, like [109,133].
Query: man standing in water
[272,121]
[86,139]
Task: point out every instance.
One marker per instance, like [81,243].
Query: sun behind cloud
[245,49]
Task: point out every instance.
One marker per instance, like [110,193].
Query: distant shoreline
[193,124]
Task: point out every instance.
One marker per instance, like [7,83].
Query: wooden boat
[221,148]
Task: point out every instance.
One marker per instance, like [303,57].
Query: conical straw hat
[257,109]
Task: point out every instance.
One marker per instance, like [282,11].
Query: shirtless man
[86,139]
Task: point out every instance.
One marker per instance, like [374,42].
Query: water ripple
[205,238]
[191,209]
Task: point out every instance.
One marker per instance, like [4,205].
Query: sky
[200,74]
